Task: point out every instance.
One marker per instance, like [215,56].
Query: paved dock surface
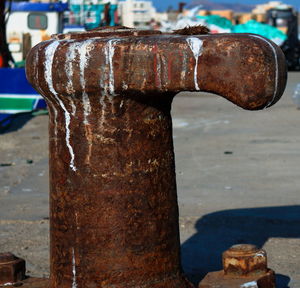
[238,176]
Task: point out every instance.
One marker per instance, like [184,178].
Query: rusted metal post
[114,215]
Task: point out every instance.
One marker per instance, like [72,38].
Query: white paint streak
[70,57]
[103,105]
[276,69]
[55,120]
[84,53]
[260,254]
[36,65]
[196,45]
[158,67]
[74,284]
[49,56]
[165,66]
[109,54]
[124,86]
[73,107]
[252,284]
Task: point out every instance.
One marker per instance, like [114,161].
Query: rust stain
[113,200]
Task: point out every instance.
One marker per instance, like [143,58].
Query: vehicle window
[37,21]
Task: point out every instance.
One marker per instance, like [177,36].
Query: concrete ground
[238,182]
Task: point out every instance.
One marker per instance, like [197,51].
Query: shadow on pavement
[218,231]
[16,121]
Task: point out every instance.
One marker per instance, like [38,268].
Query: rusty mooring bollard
[114,214]
[244,266]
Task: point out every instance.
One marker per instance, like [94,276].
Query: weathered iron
[12,269]
[29,283]
[113,201]
[244,266]
[244,260]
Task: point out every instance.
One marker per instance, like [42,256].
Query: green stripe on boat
[8,103]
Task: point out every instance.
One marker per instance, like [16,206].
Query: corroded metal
[12,269]
[218,280]
[30,283]
[114,214]
[244,260]
[244,266]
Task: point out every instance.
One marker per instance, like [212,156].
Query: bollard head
[244,260]
[246,69]
[12,269]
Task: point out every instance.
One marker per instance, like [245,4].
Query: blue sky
[164,4]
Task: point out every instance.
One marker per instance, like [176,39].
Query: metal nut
[244,260]
[12,269]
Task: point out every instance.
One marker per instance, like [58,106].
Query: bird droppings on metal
[113,89]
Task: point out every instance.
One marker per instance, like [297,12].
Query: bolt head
[244,260]
[12,268]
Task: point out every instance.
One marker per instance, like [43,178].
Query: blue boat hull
[16,94]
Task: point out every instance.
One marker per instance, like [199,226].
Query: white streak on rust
[103,105]
[49,56]
[84,53]
[252,284]
[109,54]
[124,86]
[260,254]
[165,74]
[55,120]
[70,57]
[73,107]
[74,283]
[159,69]
[276,68]
[196,45]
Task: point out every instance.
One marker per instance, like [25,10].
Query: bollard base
[30,283]
[219,280]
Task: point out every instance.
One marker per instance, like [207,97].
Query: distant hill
[209,5]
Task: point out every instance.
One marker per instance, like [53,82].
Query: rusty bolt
[244,260]
[113,200]
[12,269]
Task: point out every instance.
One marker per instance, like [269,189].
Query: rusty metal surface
[219,280]
[244,260]
[244,266]
[12,269]
[114,214]
[30,283]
